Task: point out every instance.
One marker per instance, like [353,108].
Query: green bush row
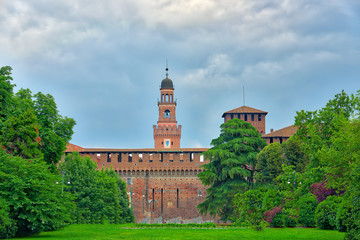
[331,214]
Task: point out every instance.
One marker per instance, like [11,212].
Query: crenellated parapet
[172,162]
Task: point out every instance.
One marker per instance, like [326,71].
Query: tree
[340,158]
[34,200]
[55,130]
[294,154]
[317,127]
[20,135]
[269,161]
[231,168]
[6,90]
[126,215]
[30,122]
[99,195]
[36,124]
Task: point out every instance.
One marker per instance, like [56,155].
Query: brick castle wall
[162,186]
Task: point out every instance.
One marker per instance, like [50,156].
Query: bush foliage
[325,213]
[34,201]
[99,195]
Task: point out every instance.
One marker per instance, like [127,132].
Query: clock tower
[167,133]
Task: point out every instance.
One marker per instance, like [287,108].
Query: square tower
[252,115]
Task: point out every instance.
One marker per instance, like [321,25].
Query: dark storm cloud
[104,61]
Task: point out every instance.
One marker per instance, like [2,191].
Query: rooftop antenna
[167,69]
[244,95]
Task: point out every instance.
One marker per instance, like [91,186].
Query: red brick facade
[162,185]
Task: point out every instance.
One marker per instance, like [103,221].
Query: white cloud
[216,74]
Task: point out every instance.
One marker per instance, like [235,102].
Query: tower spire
[244,95]
[167,68]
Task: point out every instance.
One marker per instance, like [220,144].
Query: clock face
[167,143]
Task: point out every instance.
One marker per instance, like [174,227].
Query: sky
[103,61]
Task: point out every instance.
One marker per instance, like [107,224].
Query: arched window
[167,98]
[167,114]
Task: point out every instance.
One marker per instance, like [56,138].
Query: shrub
[248,209]
[342,215]
[270,214]
[272,198]
[322,191]
[325,213]
[352,197]
[33,198]
[100,196]
[307,205]
[7,225]
[278,220]
[291,217]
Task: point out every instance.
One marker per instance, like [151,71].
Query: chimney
[271,130]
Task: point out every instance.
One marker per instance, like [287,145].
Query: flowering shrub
[321,191]
[270,214]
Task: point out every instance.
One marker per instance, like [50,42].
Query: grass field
[109,231]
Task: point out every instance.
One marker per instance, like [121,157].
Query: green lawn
[109,231]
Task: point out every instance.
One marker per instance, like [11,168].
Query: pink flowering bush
[274,216]
[321,191]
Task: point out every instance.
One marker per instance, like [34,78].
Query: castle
[162,182]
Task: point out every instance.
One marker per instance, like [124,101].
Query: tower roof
[283,132]
[244,109]
[167,84]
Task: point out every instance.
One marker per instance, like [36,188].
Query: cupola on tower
[167,133]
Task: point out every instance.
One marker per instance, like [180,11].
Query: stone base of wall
[178,220]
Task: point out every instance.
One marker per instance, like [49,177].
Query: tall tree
[20,135]
[28,122]
[6,90]
[55,130]
[232,166]
[317,127]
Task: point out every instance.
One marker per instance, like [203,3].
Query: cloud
[104,60]
[216,74]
